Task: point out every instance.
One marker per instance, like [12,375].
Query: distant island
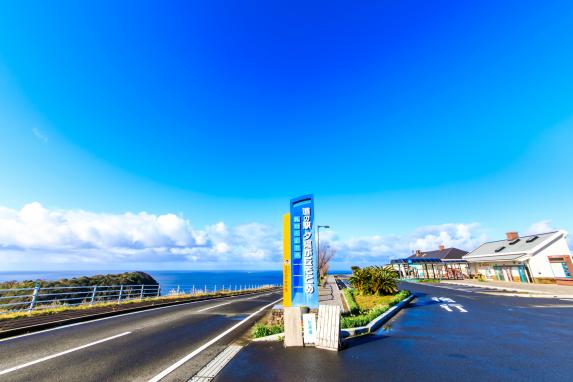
[127,278]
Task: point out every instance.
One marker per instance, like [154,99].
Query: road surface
[447,334]
[133,347]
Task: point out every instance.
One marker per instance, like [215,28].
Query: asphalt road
[446,334]
[133,347]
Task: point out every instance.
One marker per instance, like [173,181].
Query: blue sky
[406,119]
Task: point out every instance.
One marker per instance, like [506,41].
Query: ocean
[186,280]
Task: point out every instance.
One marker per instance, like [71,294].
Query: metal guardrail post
[120,294]
[141,293]
[178,289]
[158,290]
[94,292]
[34,297]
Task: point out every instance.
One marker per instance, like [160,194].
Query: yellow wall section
[287,298]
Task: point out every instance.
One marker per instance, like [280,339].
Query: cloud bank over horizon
[35,236]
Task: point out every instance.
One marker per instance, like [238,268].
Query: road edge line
[49,357]
[189,356]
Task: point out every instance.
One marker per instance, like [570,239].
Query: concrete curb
[378,321]
[506,289]
[271,338]
[358,331]
[56,323]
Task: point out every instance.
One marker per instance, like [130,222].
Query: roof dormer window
[532,238]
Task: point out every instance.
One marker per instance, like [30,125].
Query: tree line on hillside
[76,295]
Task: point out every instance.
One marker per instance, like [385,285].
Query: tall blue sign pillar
[304,262]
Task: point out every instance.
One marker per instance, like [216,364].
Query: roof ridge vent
[514,241]
[500,248]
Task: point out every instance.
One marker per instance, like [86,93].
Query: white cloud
[37,234]
[380,249]
[545,226]
[540,227]
[42,137]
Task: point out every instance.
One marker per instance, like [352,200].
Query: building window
[560,269]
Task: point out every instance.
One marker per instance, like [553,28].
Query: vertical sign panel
[303,256]
[286,261]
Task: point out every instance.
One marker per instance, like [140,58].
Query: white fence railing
[22,299]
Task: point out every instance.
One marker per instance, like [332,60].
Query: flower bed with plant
[264,330]
[374,291]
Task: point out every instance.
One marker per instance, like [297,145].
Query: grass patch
[366,316]
[263,330]
[350,301]
[429,280]
[371,301]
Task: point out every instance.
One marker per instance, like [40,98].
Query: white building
[541,258]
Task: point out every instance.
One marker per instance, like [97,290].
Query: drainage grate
[211,370]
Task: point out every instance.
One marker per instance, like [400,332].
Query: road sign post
[300,273]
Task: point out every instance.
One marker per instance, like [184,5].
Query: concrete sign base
[293,326]
[328,327]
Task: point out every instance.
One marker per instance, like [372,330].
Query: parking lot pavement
[444,335]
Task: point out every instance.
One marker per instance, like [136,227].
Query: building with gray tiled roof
[539,258]
[442,253]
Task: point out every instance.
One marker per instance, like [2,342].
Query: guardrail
[28,299]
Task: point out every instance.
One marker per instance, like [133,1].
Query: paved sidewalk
[549,289]
[329,293]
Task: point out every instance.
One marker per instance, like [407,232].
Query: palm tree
[375,280]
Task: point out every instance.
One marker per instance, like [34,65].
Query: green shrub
[365,318]
[352,305]
[375,280]
[262,330]
[429,280]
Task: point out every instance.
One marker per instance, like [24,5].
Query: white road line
[442,299]
[214,306]
[6,371]
[116,316]
[230,302]
[551,306]
[446,307]
[177,364]
[459,307]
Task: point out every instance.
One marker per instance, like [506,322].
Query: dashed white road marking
[214,306]
[442,299]
[449,307]
[6,371]
[459,307]
[230,302]
[446,307]
[177,364]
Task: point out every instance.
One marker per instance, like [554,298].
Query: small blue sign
[304,270]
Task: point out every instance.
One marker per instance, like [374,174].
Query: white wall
[539,263]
